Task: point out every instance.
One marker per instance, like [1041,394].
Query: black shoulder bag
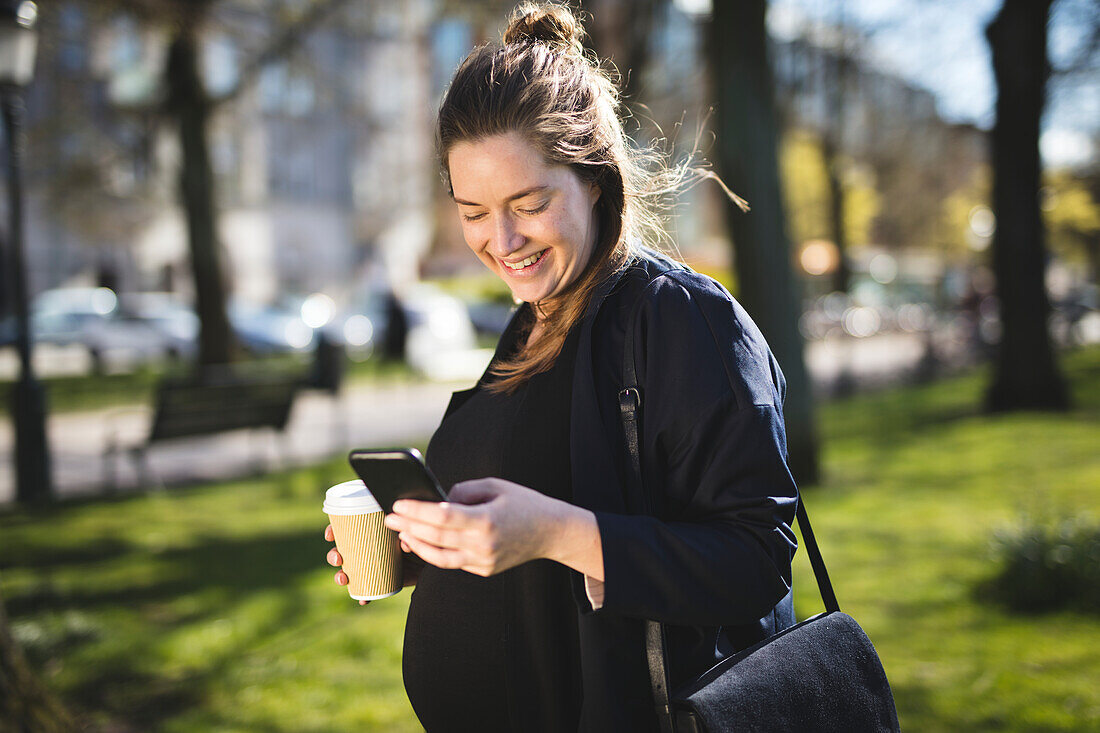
[819,675]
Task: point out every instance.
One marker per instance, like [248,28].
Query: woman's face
[532,224]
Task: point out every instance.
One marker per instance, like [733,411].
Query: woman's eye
[537,210]
[473,217]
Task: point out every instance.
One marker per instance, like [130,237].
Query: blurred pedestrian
[397,329]
[541,569]
[329,364]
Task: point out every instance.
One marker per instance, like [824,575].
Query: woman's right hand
[341,578]
[334,559]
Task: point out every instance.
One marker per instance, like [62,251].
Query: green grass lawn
[211,609]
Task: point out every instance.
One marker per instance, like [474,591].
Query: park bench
[215,403]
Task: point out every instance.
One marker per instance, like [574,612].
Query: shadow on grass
[144,700]
[913,703]
[889,421]
[238,565]
[41,557]
[917,407]
[117,681]
[139,699]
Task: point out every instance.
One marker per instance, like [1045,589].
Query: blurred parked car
[269,329]
[353,332]
[867,311]
[92,319]
[7,331]
[438,324]
[296,324]
[169,315]
[490,317]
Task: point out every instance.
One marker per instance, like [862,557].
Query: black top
[500,653]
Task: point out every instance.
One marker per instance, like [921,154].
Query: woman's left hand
[485,527]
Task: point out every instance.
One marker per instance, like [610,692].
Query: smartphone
[396,473]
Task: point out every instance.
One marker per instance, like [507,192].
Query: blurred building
[323,160]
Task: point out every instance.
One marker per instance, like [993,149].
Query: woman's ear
[594,192]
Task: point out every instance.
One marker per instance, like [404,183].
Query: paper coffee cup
[371,551]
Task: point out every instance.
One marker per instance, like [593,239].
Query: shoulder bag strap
[630,403]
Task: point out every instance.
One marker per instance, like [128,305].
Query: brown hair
[541,84]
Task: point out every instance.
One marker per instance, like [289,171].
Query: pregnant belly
[454,662]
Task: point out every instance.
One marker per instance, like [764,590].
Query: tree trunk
[189,106]
[620,30]
[1092,251]
[1092,241]
[838,69]
[25,705]
[747,129]
[842,276]
[1026,374]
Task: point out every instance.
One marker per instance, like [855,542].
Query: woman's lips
[527,270]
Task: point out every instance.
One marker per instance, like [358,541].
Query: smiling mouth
[524,264]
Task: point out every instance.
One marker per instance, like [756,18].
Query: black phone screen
[394,474]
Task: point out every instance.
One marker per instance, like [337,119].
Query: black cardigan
[716,562]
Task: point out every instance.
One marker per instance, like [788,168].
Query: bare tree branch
[292,36]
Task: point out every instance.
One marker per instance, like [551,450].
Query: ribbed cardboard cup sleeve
[371,553]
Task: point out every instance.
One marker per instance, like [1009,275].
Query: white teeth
[525,263]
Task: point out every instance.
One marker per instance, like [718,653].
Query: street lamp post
[18,42]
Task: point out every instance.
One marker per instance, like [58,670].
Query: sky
[940,45]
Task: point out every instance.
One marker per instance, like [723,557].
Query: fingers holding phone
[487,526]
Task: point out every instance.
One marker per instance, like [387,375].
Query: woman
[539,572]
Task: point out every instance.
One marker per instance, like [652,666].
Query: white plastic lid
[350,497]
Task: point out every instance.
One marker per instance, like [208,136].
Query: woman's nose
[506,238]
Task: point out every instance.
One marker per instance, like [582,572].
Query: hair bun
[548,23]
